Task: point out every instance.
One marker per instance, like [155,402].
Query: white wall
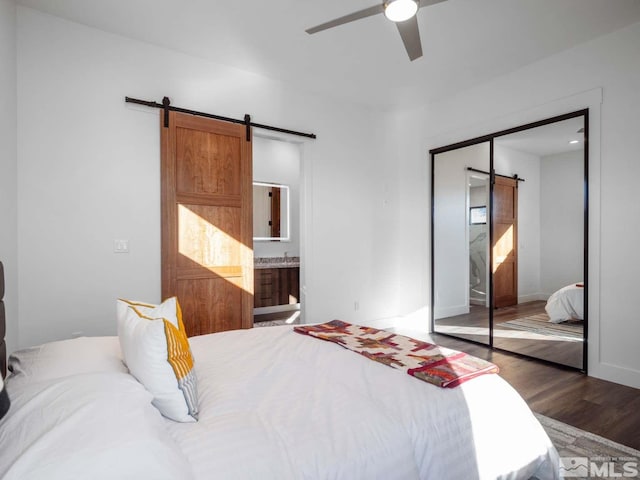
[508,161]
[88,173]
[603,75]
[277,161]
[8,167]
[562,220]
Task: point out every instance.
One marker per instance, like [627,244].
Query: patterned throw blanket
[440,366]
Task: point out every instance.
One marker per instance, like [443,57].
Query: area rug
[277,323]
[592,453]
[540,324]
[270,323]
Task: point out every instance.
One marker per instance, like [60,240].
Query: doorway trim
[306,210]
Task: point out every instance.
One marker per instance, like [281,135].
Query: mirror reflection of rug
[540,324]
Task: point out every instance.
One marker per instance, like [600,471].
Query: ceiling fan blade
[426,3]
[410,34]
[352,17]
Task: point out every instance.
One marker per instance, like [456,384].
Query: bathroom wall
[278,161]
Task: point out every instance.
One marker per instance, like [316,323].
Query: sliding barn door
[505,241]
[207,215]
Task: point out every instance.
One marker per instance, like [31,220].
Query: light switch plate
[121,246]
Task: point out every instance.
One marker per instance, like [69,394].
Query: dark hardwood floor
[597,406]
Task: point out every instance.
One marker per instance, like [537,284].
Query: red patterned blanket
[440,366]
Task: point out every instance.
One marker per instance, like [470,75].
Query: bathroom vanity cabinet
[276,286]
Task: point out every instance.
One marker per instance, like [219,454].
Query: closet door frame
[490,138]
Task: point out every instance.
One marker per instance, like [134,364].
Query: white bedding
[566,304]
[97,426]
[276,404]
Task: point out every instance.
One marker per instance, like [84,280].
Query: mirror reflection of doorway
[277,233]
[533,298]
[478,194]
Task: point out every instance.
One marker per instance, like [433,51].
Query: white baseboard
[417,321]
[532,297]
[614,373]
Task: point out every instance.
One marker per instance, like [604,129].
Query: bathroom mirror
[270,212]
[509,244]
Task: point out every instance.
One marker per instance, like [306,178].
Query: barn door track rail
[167,107]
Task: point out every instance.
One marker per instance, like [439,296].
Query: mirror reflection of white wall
[562,220]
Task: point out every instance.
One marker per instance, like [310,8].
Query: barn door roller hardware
[513,177]
[167,107]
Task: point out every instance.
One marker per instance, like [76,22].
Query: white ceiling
[465,42]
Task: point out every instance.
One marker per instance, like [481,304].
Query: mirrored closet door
[509,245]
[461,270]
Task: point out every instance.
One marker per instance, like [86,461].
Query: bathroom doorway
[277,237]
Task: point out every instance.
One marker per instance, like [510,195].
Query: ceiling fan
[402,12]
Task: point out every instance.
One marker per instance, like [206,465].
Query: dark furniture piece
[276,286]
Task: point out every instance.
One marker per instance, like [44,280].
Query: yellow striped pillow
[156,350]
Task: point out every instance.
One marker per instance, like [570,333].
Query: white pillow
[66,357]
[123,305]
[156,350]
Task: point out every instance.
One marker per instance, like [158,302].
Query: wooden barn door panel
[207,238]
[505,241]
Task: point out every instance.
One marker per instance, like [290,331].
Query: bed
[566,304]
[272,404]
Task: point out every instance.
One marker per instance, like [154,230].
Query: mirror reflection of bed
[535,219]
[527,328]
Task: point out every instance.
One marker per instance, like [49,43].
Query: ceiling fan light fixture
[400,10]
